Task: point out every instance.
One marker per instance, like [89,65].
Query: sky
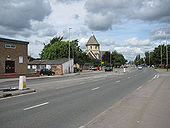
[130,27]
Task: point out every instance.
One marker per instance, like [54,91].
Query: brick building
[13,56]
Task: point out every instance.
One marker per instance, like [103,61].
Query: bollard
[22,82]
[124,70]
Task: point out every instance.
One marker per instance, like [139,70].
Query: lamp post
[69,51]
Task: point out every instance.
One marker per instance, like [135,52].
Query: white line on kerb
[36,106]
[154,77]
[95,88]
[118,81]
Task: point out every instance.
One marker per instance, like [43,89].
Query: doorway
[9,66]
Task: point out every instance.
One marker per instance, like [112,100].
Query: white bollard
[124,70]
[22,82]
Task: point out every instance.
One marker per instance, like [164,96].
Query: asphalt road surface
[69,102]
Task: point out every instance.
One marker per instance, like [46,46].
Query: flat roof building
[13,56]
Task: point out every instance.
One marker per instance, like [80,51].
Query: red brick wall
[58,69]
[13,55]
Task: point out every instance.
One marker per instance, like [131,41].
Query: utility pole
[161,52]
[69,51]
[149,58]
[110,57]
[166,53]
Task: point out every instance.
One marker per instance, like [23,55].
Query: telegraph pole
[149,58]
[166,53]
[161,52]
[69,51]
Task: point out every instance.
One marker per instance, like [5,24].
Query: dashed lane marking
[38,105]
[95,88]
[118,81]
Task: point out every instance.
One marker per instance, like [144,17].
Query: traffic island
[8,92]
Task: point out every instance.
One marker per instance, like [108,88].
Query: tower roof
[92,41]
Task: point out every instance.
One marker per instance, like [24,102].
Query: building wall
[57,69]
[66,66]
[13,55]
[94,49]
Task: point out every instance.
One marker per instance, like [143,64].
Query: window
[10,46]
[20,59]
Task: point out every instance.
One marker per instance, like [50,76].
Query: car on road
[46,72]
[108,69]
[140,67]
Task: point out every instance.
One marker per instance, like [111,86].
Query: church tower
[93,47]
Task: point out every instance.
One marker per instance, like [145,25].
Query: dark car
[108,69]
[46,72]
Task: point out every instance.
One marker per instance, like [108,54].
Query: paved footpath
[146,107]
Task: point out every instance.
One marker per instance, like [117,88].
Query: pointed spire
[92,40]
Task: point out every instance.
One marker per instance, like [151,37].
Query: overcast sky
[130,27]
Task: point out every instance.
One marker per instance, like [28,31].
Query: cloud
[82,43]
[102,14]
[160,33]
[16,16]
[108,42]
[136,42]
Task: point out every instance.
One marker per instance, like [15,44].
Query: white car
[140,67]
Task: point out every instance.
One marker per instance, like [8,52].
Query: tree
[118,59]
[57,48]
[155,56]
[30,58]
[107,58]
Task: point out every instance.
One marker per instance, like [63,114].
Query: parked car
[46,72]
[108,69]
[93,68]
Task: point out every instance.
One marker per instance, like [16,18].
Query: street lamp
[69,51]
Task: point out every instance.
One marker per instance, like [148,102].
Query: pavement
[147,107]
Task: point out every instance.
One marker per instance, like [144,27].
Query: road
[69,102]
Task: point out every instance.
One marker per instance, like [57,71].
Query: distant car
[108,69]
[46,72]
[140,67]
[93,68]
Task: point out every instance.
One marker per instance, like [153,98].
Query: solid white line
[95,88]
[118,81]
[36,106]
[18,96]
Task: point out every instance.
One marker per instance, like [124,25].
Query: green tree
[118,59]
[57,48]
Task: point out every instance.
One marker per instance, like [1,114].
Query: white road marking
[128,77]
[95,88]
[118,81]
[139,88]
[157,76]
[18,96]
[36,106]
[154,77]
